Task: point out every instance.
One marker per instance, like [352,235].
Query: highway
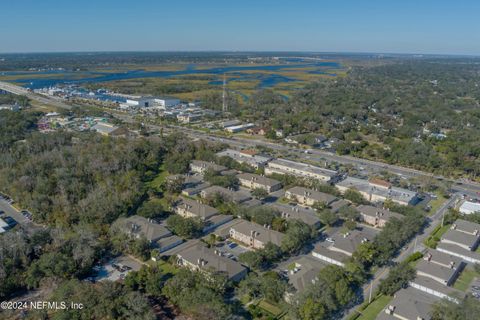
[56,102]
[463,186]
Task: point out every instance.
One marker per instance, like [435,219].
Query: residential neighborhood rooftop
[258,179]
[230,195]
[441,258]
[399,195]
[436,271]
[461,238]
[305,272]
[138,226]
[378,212]
[296,212]
[312,194]
[196,208]
[466,227]
[255,161]
[300,169]
[409,303]
[263,234]
[197,165]
[206,259]
[349,242]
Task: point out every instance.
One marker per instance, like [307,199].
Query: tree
[269,286]
[228,181]
[151,209]
[354,196]
[349,213]
[141,248]
[297,235]
[174,185]
[184,227]
[350,225]
[261,258]
[262,215]
[327,217]
[103,300]
[253,259]
[320,300]
[259,193]
[148,280]
[197,296]
[467,309]
[398,278]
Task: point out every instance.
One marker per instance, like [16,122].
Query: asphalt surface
[11,211]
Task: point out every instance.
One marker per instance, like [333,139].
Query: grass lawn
[441,231]
[437,203]
[373,309]
[166,267]
[465,278]
[438,232]
[270,308]
[159,179]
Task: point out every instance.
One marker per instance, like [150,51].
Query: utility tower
[224,94]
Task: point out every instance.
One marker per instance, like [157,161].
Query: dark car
[10,221]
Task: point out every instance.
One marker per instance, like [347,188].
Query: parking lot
[231,249]
[23,219]
[116,269]
[475,288]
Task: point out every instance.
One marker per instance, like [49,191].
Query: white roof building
[469,207]
[299,169]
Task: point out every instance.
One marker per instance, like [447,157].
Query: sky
[382,26]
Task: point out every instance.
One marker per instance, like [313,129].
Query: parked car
[10,221]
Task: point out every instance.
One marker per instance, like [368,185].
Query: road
[416,244]
[464,186]
[56,102]
[11,211]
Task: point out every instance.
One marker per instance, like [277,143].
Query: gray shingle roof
[296,212]
[466,226]
[350,242]
[142,227]
[460,237]
[258,179]
[207,165]
[312,194]
[210,259]
[410,303]
[263,234]
[435,270]
[382,213]
[230,195]
[198,209]
[307,269]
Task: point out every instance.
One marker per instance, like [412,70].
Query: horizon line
[247,51]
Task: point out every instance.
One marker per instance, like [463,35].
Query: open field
[465,278]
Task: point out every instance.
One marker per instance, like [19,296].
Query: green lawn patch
[437,203]
[166,267]
[432,240]
[465,278]
[270,308]
[291,266]
[374,308]
[159,179]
